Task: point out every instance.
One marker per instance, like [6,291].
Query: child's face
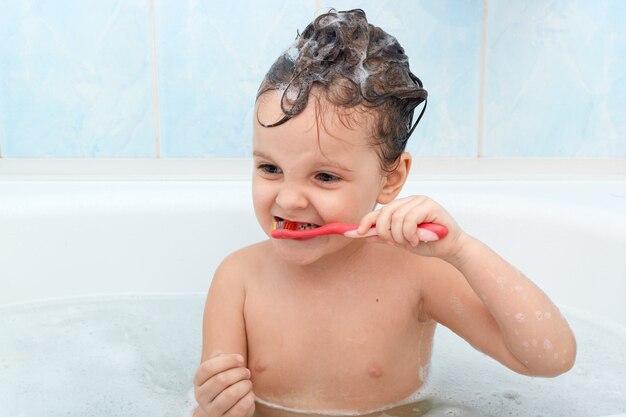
[311,172]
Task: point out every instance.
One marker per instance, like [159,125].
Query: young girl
[337,324]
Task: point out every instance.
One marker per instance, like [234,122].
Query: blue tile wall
[77,77]
[210,63]
[556,79]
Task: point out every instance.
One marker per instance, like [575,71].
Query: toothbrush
[285,229]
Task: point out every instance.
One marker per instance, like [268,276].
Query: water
[136,356]
[123,356]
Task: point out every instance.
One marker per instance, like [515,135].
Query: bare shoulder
[224,323]
[427,270]
[238,265]
[434,279]
[444,290]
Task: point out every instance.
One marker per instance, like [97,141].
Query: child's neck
[340,263]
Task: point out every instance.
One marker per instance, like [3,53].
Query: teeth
[306,226]
[290,225]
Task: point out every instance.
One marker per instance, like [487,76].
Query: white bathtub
[163,229]
[112,228]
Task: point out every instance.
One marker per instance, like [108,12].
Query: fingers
[235,401]
[396,223]
[244,407]
[217,363]
[403,225]
[367,222]
[223,386]
[220,382]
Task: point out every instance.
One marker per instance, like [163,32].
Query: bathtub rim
[604,186]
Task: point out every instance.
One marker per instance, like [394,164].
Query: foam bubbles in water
[117,356]
[113,356]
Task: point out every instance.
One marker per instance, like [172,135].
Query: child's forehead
[321,128]
[320,113]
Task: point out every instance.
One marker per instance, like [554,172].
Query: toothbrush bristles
[289,225]
[285,224]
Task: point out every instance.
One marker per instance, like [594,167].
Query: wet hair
[355,64]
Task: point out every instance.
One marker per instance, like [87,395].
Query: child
[337,324]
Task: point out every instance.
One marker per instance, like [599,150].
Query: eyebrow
[338,165]
[259,154]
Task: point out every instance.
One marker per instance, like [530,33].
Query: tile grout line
[481,95]
[155,81]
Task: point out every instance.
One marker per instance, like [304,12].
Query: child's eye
[326,177]
[269,169]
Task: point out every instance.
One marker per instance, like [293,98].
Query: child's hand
[222,385]
[396,224]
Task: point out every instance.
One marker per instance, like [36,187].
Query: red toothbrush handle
[437,229]
[347,230]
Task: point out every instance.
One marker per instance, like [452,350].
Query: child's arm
[222,382]
[501,312]
[479,295]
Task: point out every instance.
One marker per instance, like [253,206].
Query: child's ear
[394,181]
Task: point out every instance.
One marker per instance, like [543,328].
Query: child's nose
[291,197]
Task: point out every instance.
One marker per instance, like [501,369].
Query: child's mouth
[280,223]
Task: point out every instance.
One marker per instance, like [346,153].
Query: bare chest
[335,345]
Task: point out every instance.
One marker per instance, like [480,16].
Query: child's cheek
[262,206]
[349,209]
